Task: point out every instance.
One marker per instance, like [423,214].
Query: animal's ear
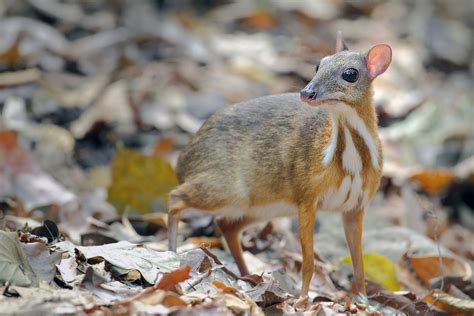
[340,44]
[379,58]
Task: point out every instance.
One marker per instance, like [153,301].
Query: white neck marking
[331,148]
[351,161]
[342,110]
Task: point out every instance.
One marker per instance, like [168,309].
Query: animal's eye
[350,75]
[317,67]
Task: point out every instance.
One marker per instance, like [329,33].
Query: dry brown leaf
[224,288]
[171,279]
[12,56]
[450,304]
[433,181]
[425,268]
[232,302]
[171,300]
[8,140]
[379,294]
[164,146]
[260,19]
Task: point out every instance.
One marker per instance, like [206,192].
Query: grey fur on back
[252,146]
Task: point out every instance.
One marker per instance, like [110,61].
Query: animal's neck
[345,119]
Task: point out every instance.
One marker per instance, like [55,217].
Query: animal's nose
[309,92]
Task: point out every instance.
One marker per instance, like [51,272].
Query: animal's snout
[309,92]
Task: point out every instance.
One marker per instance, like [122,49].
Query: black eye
[317,67]
[350,75]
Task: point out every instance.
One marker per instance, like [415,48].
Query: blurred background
[98,97]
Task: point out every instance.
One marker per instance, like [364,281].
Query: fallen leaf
[171,300]
[450,304]
[169,280]
[224,288]
[74,91]
[128,256]
[433,181]
[112,107]
[232,302]
[423,269]
[41,260]
[68,269]
[267,293]
[14,265]
[259,19]
[19,77]
[380,269]
[12,56]
[382,296]
[139,182]
[164,146]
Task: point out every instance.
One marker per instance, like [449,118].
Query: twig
[216,260]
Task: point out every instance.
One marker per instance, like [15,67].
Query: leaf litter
[97,100]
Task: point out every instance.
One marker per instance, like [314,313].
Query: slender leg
[173,220]
[353,222]
[175,206]
[231,230]
[306,219]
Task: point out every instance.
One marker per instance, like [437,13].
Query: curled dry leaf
[417,271]
[171,279]
[232,302]
[260,19]
[224,288]
[449,303]
[433,181]
[381,295]
[172,300]
[128,256]
[14,265]
[41,260]
[68,269]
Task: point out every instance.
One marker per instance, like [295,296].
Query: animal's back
[245,154]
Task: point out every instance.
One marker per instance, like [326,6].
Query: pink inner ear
[378,60]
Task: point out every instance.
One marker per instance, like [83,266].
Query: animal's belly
[348,196]
[278,209]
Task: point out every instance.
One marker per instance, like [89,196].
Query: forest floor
[97,98]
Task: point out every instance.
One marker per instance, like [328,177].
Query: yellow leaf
[140,183]
[378,268]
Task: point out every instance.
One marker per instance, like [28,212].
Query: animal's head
[347,75]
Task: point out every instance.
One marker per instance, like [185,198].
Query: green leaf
[14,265]
[140,183]
[378,268]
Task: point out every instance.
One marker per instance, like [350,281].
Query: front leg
[306,220]
[353,222]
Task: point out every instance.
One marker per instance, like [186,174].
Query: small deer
[290,155]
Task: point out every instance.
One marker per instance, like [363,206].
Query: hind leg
[176,204]
[231,229]
[193,194]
